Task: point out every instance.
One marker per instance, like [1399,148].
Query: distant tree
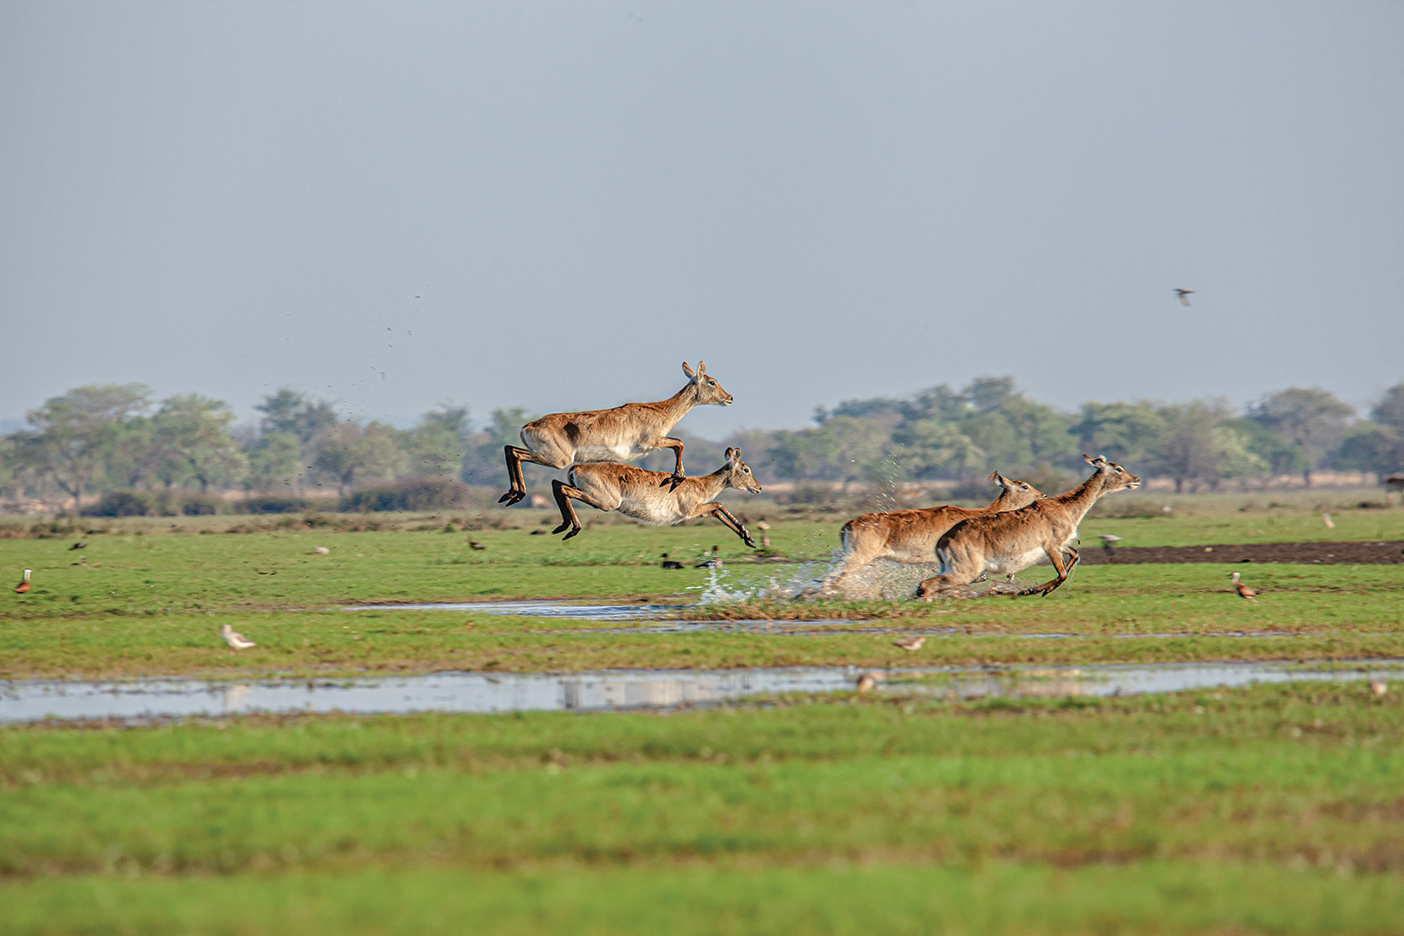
[72,434]
[1311,420]
[275,463]
[1389,410]
[934,448]
[1371,447]
[939,402]
[1187,448]
[193,432]
[293,413]
[438,444]
[1123,432]
[349,454]
[805,453]
[858,444]
[990,394]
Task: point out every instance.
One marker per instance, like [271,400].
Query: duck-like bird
[1184,295]
[23,586]
[234,639]
[81,544]
[670,563]
[910,644]
[1243,590]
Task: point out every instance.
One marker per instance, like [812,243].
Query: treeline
[115,440]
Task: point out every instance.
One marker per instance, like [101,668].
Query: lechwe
[610,435]
[645,495]
[1011,542]
[910,536]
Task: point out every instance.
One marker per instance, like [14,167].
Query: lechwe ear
[1001,480]
[1099,462]
[733,455]
[692,375]
[701,368]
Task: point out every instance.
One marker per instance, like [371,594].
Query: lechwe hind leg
[516,483]
[564,493]
[959,568]
[727,519]
[861,547]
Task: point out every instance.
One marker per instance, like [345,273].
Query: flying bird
[910,644]
[234,639]
[23,586]
[1109,540]
[1184,295]
[81,544]
[1243,590]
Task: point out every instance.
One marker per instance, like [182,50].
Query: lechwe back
[646,495]
[619,434]
[910,536]
[1011,542]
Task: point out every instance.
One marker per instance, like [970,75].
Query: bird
[1243,590]
[1108,541]
[476,546]
[867,682]
[765,533]
[670,563]
[1379,687]
[713,562]
[1184,295]
[1326,519]
[321,550]
[81,544]
[910,644]
[234,639]
[23,586]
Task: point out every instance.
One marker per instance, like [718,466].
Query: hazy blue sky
[554,205]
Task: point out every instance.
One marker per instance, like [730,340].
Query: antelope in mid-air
[610,435]
[645,495]
[910,536]
[1010,542]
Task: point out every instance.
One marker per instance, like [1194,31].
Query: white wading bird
[234,639]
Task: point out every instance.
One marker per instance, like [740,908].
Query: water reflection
[32,700]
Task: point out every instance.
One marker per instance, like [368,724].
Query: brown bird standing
[1243,590]
[910,644]
[23,586]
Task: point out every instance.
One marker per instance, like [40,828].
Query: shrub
[410,494]
[124,504]
[201,505]
[272,504]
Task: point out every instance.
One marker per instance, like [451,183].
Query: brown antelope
[910,536]
[618,434]
[640,493]
[1010,542]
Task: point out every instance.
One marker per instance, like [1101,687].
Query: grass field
[1273,809]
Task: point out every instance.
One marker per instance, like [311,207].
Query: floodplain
[1270,808]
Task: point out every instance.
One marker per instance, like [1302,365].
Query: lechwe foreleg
[1064,559]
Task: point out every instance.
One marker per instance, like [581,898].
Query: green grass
[1274,809]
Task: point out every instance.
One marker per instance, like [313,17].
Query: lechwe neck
[678,405]
[1080,499]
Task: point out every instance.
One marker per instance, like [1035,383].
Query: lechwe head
[738,473]
[1015,494]
[1114,477]
[708,390]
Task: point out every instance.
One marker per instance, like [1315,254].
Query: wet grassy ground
[1275,809]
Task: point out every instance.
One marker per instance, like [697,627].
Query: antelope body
[910,536]
[619,434]
[645,495]
[1006,543]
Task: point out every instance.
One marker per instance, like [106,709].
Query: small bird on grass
[1243,590]
[81,544]
[1109,540]
[476,546]
[321,550]
[867,682]
[910,644]
[1379,687]
[712,562]
[23,586]
[1184,295]
[234,639]
[1326,519]
[670,563]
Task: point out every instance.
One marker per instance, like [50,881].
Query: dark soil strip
[1370,553]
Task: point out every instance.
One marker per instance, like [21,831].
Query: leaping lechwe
[645,495]
[1010,542]
[611,435]
[910,536]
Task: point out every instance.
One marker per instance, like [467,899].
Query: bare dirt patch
[1364,553]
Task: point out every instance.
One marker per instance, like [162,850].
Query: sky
[546,205]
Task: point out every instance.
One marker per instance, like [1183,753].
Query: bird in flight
[1244,591]
[910,644]
[1184,295]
